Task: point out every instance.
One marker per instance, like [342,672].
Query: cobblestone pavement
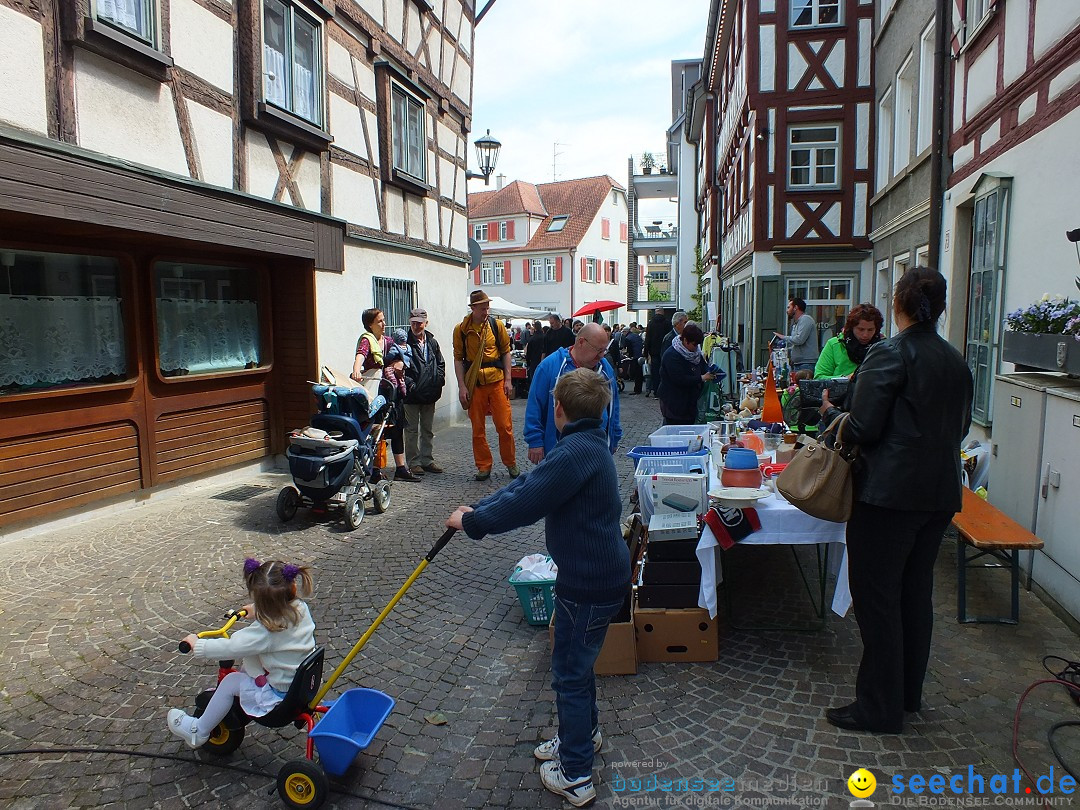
[90,616]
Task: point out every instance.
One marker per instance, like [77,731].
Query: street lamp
[487,155]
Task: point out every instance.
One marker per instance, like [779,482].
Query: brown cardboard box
[618,656]
[675,635]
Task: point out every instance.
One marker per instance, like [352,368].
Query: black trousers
[891,556]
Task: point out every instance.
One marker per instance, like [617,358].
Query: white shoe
[547,751]
[578,792]
[186,727]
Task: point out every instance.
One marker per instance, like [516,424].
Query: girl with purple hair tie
[270,649]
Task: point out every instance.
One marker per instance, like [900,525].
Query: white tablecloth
[781,524]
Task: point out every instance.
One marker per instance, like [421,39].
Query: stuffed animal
[749,404]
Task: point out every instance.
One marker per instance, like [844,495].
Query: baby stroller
[332,461]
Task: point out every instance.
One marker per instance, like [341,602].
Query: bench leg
[961,581]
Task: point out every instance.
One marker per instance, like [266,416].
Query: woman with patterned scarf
[683,373]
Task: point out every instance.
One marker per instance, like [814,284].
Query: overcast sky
[593,76]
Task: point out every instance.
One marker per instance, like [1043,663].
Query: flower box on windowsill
[1045,352]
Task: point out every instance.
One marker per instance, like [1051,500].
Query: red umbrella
[598,306]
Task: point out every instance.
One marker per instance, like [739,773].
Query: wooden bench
[992,533]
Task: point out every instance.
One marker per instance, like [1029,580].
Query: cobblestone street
[91,615]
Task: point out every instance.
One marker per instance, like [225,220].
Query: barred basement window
[395,297]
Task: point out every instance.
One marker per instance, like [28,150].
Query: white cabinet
[1056,568]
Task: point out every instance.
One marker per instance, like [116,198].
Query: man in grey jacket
[802,343]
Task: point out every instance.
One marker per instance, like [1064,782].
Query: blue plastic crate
[349,727]
[647,451]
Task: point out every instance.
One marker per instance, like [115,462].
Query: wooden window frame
[81,27]
[388,79]
[480,232]
[266,332]
[815,8]
[837,144]
[255,110]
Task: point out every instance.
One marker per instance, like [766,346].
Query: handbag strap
[837,426]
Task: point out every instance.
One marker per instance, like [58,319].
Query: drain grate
[244,493]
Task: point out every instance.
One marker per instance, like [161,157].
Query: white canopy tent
[507,309]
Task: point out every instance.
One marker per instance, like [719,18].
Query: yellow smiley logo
[862,783]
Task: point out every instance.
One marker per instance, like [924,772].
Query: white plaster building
[553,246]
[197,200]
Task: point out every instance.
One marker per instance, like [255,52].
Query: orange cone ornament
[771,410]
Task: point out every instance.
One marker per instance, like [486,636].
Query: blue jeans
[579,634]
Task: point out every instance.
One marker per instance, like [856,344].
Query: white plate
[739,497]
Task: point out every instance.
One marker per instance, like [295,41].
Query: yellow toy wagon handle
[435,549]
[221,632]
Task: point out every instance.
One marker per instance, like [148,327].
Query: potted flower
[1040,335]
[647,162]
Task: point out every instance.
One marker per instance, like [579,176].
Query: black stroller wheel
[380,496]
[354,511]
[288,500]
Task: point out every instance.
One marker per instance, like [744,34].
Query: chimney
[500,181]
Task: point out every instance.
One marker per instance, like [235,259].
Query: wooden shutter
[558,269]
[614,272]
[622,231]
[510,229]
[584,271]
[524,268]
[605,228]
[476,276]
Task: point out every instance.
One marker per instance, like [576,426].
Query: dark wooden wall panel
[203,439]
[53,471]
[295,360]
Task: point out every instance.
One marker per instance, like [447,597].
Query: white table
[781,524]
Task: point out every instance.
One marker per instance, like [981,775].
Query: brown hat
[478,297]
[418,315]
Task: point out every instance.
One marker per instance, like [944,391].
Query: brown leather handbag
[818,479]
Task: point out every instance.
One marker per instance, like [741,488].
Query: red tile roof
[578,200]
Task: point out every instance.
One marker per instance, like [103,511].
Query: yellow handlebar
[221,632]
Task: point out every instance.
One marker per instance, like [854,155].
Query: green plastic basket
[537,598]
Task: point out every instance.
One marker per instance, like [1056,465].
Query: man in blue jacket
[588,351]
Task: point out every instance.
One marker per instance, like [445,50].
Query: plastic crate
[651,468]
[648,451]
[684,436]
[537,598]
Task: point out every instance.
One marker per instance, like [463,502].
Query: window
[828,302]
[207,318]
[480,232]
[410,134]
[922,256]
[987,245]
[814,13]
[925,126]
[614,196]
[590,270]
[549,270]
[612,274]
[492,273]
[395,297]
[536,271]
[556,224]
[502,231]
[61,321]
[976,10]
[814,156]
[135,17]
[905,87]
[292,60]
[884,7]
[884,139]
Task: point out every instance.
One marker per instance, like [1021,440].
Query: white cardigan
[276,655]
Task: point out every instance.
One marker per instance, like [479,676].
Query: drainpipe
[573,275]
[941,135]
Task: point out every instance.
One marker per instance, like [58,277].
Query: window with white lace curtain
[61,321]
[136,17]
[292,60]
[207,318]
[409,133]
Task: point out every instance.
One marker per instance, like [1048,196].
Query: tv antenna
[554,159]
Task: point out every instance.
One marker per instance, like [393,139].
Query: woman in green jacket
[841,355]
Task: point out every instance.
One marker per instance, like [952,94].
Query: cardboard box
[618,656]
[667,596]
[675,635]
[673,526]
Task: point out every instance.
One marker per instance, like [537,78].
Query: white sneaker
[186,727]
[548,751]
[578,791]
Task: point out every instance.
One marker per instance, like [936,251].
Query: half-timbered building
[787,120]
[1015,149]
[197,200]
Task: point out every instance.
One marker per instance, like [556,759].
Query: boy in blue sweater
[576,491]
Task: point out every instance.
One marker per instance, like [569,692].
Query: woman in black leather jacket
[909,412]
